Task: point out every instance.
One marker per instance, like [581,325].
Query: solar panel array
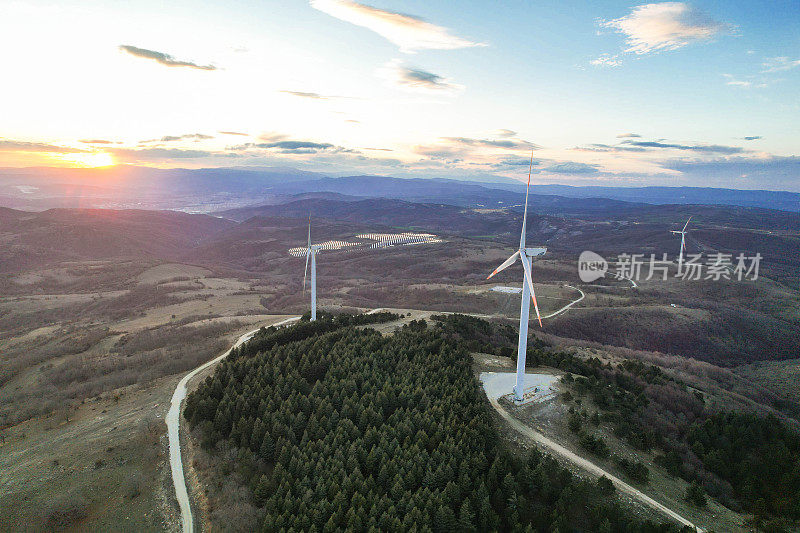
[380,240]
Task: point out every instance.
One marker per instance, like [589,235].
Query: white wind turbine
[525,255]
[682,233]
[311,252]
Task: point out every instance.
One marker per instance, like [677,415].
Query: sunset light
[88,160]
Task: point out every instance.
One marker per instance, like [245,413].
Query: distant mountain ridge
[217,189]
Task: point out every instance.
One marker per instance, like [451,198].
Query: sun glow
[88,160]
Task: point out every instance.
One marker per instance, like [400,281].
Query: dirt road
[573,302]
[173,420]
[495,390]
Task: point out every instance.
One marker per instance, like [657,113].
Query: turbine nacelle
[535,252]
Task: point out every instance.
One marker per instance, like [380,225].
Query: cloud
[408,32]
[736,83]
[596,147]
[505,133]
[158,154]
[572,167]
[233,133]
[275,142]
[95,141]
[664,26]
[744,83]
[301,94]
[516,161]
[607,60]
[452,148]
[162,58]
[752,137]
[272,136]
[710,148]
[172,138]
[628,136]
[441,152]
[777,64]
[417,80]
[492,143]
[296,145]
[313,96]
[8,145]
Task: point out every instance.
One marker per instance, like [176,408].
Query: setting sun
[89,160]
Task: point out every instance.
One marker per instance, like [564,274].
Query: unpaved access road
[498,384]
[173,421]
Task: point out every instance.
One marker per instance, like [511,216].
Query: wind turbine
[682,233]
[525,255]
[311,252]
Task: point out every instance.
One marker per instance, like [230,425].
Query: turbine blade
[507,263]
[305,275]
[309,230]
[525,214]
[687,223]
[533,292]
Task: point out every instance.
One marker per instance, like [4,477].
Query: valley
[127,302]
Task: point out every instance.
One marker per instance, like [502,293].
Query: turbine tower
[525,255]
[311,252]
[682,233]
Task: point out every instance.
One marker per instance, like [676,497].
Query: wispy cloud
[491,143]
[709,148]
[752,137]
[159,154]
[277,143]
[777,64]
[185,137]
[296,145]
[234,133]
[8,145]
[408,32]
[597,147]
[607,60]
[736,83]
[746,83]
[95,141]
[628,135]
[455,149]
[313,96]
[572,167]
[664,26]
[417,80]
[505,133]
[162,58]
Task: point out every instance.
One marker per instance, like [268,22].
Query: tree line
[342,428]
[747,462]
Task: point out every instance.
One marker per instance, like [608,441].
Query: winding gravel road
[498,384]
[573,302]
[173,421]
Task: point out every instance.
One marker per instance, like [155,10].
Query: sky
[705,93]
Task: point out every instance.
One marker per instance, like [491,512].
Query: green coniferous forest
[344,428]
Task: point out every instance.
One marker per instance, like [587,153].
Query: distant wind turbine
[682,233]
[311,252]
[525,255]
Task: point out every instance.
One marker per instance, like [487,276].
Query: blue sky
[612,93]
